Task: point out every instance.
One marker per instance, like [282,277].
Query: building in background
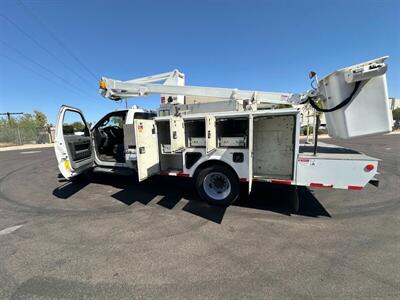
[307,116]
[394,103]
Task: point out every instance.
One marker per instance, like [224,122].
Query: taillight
[369,168]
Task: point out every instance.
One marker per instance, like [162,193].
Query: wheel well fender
[213,162]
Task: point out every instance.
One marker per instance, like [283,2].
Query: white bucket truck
[222,137]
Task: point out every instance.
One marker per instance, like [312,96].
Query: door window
[73,124]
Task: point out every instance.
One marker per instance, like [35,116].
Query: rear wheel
[217,185]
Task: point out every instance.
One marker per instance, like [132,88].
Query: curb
[24,147]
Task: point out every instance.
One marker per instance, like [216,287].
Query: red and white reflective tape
[312,184]
[178,174]
[354,187]
[321,185]
[287,182]
[277,181]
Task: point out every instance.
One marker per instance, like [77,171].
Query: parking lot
[113,237]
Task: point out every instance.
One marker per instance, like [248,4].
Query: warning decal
[306,161]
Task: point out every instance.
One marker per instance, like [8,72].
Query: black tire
[229,175]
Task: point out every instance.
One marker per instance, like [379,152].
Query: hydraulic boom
[349,96]
[116,90]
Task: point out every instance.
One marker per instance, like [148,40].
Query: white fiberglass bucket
[368,111]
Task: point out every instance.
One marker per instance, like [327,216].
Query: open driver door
[73,143]
[146,148]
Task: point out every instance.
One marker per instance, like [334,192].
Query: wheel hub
[217,185]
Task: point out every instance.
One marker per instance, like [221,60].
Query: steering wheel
[114,130]
[103,137]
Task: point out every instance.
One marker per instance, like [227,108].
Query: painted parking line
[10,229]
[30,152]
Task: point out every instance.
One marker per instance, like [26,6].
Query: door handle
[209,134]
[174,135]
[142,150]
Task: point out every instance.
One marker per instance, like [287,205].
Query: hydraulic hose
[340,105]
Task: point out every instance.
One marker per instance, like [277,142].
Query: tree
[26,121]
[37,120]
[40,118]
[396,114]
[78,126]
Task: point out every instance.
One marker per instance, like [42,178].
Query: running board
[115,170]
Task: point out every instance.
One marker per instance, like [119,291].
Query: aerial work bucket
[358,98]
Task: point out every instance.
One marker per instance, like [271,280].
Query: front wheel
[217,185]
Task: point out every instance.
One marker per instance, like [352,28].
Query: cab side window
[73,124]
[113,121]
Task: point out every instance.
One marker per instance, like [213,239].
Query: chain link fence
[16,135]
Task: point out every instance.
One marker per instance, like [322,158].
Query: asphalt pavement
[111,237]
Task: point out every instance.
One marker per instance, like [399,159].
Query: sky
[53,52]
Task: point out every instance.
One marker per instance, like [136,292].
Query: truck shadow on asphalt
[168,192]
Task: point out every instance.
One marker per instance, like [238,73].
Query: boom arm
[349,96]
[116,89]
[174,84]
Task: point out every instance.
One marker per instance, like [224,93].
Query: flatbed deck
[330,151]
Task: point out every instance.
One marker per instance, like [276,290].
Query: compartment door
[211,140]
[177,131]
[73,142]
[146,148]
[251,151]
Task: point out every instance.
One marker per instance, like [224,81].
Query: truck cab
[104,146]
